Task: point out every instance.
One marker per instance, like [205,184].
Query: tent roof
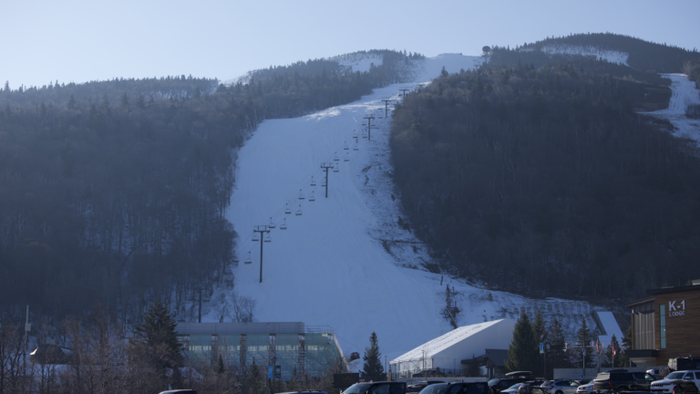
[445,341]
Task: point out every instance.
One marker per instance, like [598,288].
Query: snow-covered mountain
[345,261]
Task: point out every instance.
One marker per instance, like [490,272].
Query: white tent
[447,351]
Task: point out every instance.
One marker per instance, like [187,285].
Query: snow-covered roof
[611,328]
[458,335]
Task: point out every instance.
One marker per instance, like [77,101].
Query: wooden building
[665,325]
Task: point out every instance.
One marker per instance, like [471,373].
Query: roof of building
[695,286]
[437,345]
[240,328]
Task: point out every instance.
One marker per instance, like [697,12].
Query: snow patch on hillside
[431,67]
[683,94]
[600,54]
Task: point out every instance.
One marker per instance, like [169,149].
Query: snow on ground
[684,94]
[342,261]
[453,63]
[600,54]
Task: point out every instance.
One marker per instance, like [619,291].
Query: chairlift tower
[404,91]
[262,229]
[369,127]
[326,166]
[386,107]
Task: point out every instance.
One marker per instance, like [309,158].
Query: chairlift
[301,195]
[272,224]
[313,183]
[256,237]
[355,147]
[336,168]
[336,158]
[347,156]
[364,133]
[298,211]
[346,147]
[248,260]
[311,197]
[267,238]
[364,124]
[323,183]
[235,260]
[283,226]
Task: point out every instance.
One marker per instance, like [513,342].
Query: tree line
[547,182]
[540,348]
[99,352]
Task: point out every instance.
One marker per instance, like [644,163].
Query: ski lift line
[338,336]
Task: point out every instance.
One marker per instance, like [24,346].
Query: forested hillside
[115,191]
[545,181]
[643,55]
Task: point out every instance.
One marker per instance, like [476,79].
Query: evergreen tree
[451,310]
[615,361]
[443,72]
[372,368]
[156,340]
[540,330]
[584,337]
[523,350]
[557,354]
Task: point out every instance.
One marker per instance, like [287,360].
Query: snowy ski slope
[343,261]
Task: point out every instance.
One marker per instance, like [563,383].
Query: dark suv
[510,379]
[621,380]
[377,388]
[457,388]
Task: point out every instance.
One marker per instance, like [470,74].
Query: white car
[562,387]
[585,388]
[676,381]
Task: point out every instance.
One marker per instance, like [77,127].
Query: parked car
[613,381]
[377,388]
[510,379]
[457,388]
[585,388]
[438,388]
[512,389]
[416,388]
[678,382]
[562,387]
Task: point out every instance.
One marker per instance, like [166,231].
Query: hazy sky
[83,40]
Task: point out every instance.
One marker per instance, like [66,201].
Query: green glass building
[293,346]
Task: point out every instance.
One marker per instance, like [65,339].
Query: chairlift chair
[248,260]
[347,156]
[286,209]
[355,147]
[336,158]
[313,183]
[272,224]
[346,147]
[301,195]
[256,237]
[336,168]
[267,238]
[298,211]
[283,226]
[311,197]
